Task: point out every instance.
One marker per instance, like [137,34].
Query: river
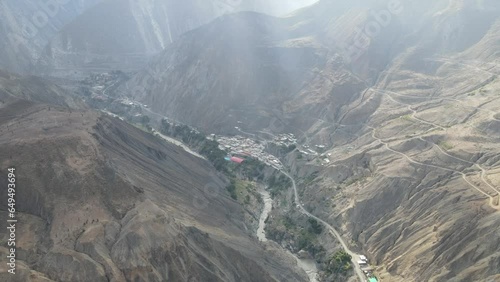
[308,265]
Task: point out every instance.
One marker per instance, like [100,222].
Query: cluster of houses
[308,151]
[366,268]
[238,145]
[285,139]
[97,83]
[127,102]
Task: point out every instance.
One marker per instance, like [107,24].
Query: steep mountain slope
[27,26]
[124,35]
[100,200]
[280,68]
[409,118]
[246,67]
[35,89]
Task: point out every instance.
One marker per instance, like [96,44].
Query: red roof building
[237,160]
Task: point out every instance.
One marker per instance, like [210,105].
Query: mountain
[27,26]
[244,66]
[34,89]
[98,199]
[404,99]
[272,8]
[290,58]
[124,35]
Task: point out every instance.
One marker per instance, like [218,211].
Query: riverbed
[308,265]
[268,206]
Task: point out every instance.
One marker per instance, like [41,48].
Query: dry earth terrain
[101,200]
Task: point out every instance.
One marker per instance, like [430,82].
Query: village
[241,146]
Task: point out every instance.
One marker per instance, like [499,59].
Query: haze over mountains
[285,55]
[395,106]
[54,37]
[27,26]
[411,121]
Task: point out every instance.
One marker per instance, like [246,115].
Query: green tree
[339,262]
[145,120]
[315,227]
[165,126]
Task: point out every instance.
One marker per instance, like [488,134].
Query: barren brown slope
[100,200]
[35,89]
[412,126]
[415,183]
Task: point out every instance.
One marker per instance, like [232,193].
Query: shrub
[231,188]
[315,227]
[339,262]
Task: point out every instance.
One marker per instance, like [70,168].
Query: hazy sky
[279,7]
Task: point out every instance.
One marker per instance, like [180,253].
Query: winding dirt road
[492,202]
[332,230]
